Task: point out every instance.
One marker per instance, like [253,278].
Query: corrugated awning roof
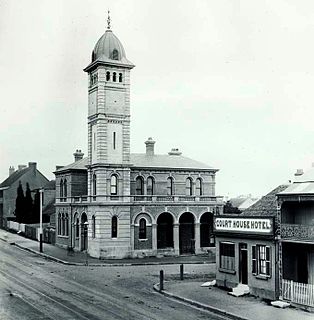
[299,188]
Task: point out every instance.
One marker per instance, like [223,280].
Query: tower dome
[108,47]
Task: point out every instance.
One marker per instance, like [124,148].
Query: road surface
[32,288]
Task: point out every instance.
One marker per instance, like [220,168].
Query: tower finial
[108,20]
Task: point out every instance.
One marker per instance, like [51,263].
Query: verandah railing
[300,293]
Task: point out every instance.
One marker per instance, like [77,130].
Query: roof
[109,49]
[141,160]
[49,208]
[267,205]
[14,177]
[307,176]
[51,185]
[299,188]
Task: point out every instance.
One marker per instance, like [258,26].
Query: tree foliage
[36,207]
[19,204]
[28,216]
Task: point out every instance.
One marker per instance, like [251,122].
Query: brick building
[8,188]
[118,204]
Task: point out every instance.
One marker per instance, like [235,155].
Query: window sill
[142,240]
[262,277]
[227,271]
[59,236]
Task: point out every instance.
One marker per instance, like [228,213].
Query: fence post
[181,271]
[291,292]
[161,280]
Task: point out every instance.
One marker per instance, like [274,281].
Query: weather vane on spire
[108,20]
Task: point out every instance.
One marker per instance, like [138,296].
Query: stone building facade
[117,204]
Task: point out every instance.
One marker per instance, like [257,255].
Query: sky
[230,83]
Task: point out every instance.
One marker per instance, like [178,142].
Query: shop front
[246,254]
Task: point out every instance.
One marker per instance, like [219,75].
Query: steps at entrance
[240,290]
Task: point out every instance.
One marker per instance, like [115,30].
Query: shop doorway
[165,231]
[243,261]
[84,232]
[186,233]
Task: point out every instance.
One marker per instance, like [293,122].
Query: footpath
[188,291]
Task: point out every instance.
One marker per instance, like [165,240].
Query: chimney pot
[150,146]
[299,172]
[175,152]
[78,155]
[11,170]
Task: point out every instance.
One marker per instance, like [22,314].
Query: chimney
[33,165]
[299,172]
[175,152]
[11,170]
[78,155]
[150,146]
[21,167]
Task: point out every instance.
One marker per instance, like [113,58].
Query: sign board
[244,225]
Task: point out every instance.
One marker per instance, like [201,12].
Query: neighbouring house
[247,249]
[296,213]
[8,188]
[242,202]
[49,199]
[114,203]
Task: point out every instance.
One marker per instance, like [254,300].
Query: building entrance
[186,233]
[243,269]
[165,231]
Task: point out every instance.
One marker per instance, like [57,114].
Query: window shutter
[254,260]
[268,261]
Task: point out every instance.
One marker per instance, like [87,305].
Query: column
[176,238]
[154,237]
[197,238]
[132,237]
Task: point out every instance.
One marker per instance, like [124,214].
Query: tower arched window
[107,76]
[115,54]
[170,188]
[114,227]
[142,229]
[120,77]
[62,224]
[61,188]
[199,187]
[114,77]
[189,187]
[59,224]
[139,186]
[94,184]
[66,222]
[93,226]
[65,188]
[150,186]
[114,185]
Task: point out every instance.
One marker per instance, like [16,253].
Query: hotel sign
[244,225]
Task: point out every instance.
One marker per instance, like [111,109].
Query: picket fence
[300,293]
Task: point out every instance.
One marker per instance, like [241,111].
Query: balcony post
[197,238]
[154,237]
[176,238]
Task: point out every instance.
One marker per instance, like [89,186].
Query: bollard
[181,271]
[161,280]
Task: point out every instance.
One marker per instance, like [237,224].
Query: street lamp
[41,193]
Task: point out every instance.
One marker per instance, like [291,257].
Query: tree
[229,208]
[19,204]
[36,207]
[28,216]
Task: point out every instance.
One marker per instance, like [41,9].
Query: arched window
[107,76]
[62,225]
[66,222]
[150,186]
[59,224]
[93,227]
[198,187]
[139,186]
[189,187]
[142,229]
[94,184]
[114,185]
[120,77]
[115,54]
[65,188]
[170,189]
[61,188]
[114,77]
[77,229]
[114,227]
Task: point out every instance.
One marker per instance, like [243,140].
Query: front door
[243,268]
